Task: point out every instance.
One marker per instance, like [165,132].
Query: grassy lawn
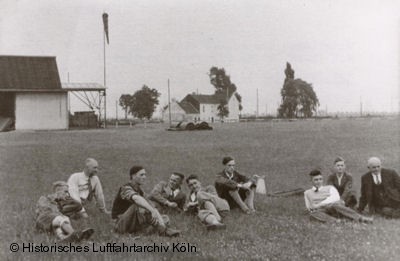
[284,152]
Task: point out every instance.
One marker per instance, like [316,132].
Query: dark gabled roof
[82,86]
[188,108]
[209,99]
[28,73]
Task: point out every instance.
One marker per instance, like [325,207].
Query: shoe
[86,234]
[216,226]
[169,232]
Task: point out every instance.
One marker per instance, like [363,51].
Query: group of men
[380,191]
[135,211]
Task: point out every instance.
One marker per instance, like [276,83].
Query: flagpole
[104,65]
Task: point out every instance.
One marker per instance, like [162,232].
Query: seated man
[50,219]
[343,182]
[380,190]
[237,189]
[324,204]
[206,204]
[132,212]
[169,194]
[84,185]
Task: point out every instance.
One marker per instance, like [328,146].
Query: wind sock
[105,22]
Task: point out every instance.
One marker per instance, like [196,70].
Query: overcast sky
[348,50]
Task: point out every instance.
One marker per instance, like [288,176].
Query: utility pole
[169,105]
[257,105]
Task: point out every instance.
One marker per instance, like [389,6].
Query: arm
[363,197]
[156,194]
[230,184]
[98,192]
[307,202]
[73,188]
[333,197]
[129,194]
[348,186]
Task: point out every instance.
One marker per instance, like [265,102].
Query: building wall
[208,112]
[233,107]
[41,111]
[177,113]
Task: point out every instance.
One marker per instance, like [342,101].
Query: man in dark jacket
[343,182]
[169,194]
[235,188]
[132,211]
[380,190]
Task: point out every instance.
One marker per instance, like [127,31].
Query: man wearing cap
[324,204]
[235,188]
[380,190]
[131,210]
[343,182]
[85,185]
[50,219]
[169,194]
[205,203]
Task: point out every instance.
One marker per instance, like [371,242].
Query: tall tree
[223,110]
[144,102]
[223,85]
[124,102]
[298,97]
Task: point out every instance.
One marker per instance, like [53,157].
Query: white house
[200,107]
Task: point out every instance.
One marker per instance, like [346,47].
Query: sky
[348,50]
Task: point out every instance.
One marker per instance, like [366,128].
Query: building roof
[29,73]
[208,99]
[82,86]
[188,108]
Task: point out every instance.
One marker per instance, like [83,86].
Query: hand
[107,212]
[192,204]
[172,204]
[155,215]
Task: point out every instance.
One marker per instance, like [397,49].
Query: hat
[226,160]
[59,184]
[315,172]
[338,159]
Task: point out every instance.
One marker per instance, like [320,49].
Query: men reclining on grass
[131,210]
[206,204]
[237,189]
[49,217]
[169,194]
[85,185]
[324,203]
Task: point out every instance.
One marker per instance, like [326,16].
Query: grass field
[284,152]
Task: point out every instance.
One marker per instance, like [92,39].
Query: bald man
[380,190]
[85,185]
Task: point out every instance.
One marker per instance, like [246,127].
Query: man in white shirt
[169,194]
[324,203]
[85,185]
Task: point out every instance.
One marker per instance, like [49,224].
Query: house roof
[188,108]
[209,99]
[82,86]
[29,73]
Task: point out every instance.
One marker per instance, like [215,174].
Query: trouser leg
[346,212]
[210,206]
[321,215]
[132,220]
[250,198]
[236,197]
[390,212]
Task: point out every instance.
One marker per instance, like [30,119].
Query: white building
[200,107]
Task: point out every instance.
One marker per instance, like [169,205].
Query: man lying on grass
[324,203]
[237,189]
[169,194]
[131,210]
[50,219]
[85,185]
[206,204]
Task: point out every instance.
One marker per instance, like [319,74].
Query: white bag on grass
[261,189]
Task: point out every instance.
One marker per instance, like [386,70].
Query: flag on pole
[105,22]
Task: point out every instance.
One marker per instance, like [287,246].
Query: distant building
[200,107]
[31,93]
